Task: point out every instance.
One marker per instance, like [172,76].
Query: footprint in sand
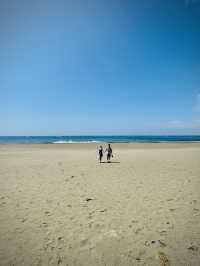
[90,224]
[84,241]
[193,248]
[146,243]
[162,243]
[59,260]
[90,217]
[138,259]
[162,232]
[138,230]
[60,242]
[134,221]
[158,243]
[194,201]
[104,210]
[44,224]
[89,199]
[47,213]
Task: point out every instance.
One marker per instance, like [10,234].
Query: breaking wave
[72,141]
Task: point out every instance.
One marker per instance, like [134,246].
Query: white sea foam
[71,141]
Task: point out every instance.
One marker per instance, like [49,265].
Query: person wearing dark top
[109,153]
[100,153]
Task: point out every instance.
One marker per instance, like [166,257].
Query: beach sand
[59,206]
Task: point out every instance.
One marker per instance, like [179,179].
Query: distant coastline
[97,139]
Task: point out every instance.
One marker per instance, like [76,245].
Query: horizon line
[106,135]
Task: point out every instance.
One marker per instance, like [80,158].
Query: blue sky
[99,67]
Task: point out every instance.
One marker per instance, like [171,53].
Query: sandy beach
[59,206]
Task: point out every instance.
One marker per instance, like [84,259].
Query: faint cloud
[184,125]
[187,126]
[196,123]
[175,122]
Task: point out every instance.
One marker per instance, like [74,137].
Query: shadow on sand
[111,162]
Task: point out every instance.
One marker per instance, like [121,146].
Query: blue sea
[94,139]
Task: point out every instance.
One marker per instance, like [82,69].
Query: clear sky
[99,67]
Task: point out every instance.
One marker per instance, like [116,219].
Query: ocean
[94,139]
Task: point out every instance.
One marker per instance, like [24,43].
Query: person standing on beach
[100,153]
[109,153]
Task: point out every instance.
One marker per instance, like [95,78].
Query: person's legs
[100,157]
[108,157]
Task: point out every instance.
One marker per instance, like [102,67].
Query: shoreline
[104,142]
[98,140]
[162,143]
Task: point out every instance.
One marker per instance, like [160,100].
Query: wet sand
[59,206]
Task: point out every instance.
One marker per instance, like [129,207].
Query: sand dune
[59,206]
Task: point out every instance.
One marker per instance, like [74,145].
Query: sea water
[95,139]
